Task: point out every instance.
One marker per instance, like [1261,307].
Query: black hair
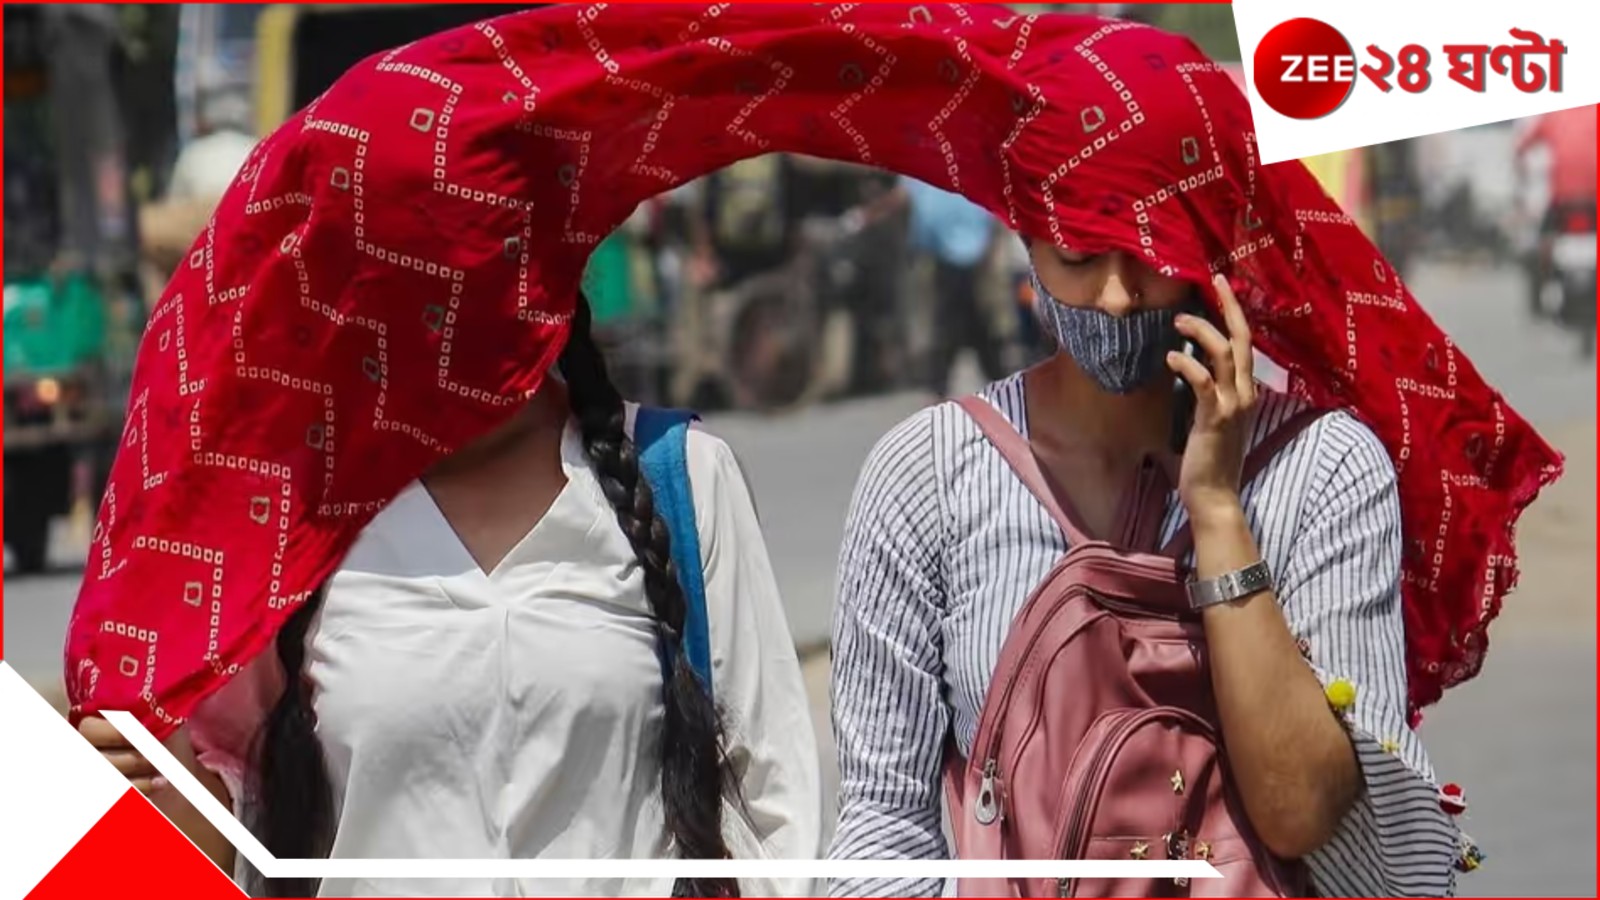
[296,801]
[295,816]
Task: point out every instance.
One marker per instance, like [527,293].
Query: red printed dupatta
[395,269]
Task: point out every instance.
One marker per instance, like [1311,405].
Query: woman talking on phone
[1149,407]
[945,543]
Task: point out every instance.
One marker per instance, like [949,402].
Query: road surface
[1521,738]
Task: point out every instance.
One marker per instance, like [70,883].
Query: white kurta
[517,713]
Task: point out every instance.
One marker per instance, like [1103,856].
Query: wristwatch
[1229,586]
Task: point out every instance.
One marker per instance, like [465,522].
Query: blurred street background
[806,306]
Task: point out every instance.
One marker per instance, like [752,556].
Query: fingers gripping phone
[1183,399]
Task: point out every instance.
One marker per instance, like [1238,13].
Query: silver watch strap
[1230,586]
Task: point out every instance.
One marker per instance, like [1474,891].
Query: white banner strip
[652,869]
[271,867]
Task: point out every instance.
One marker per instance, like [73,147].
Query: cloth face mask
[1121,353]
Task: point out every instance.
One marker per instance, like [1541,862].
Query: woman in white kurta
[479,696]
[533,690]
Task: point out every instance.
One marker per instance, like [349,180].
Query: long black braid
[695,776]
[295,811]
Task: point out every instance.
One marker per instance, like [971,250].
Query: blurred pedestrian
[744,222]
[959,235]
[205,168]
[1563,183]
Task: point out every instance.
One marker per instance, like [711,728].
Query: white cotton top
[517,714]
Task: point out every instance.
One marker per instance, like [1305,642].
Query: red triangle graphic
[135,853]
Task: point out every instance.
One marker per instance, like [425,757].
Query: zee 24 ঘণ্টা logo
[1305,69]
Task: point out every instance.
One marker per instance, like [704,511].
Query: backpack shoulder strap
[1017,452]
[662,438]
[1260,455]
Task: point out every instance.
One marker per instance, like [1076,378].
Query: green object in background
[52,327]
[1209,25]
[608,280]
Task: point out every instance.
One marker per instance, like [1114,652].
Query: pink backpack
[1098,736]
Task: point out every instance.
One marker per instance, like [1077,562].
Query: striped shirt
[943,546]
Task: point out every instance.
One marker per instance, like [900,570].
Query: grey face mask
[1121,353]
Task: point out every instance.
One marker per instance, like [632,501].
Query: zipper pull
[1063,887]
[988,806]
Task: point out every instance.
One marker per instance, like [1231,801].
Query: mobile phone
[1183,399]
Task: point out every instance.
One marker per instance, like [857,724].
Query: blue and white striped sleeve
[889,716]
[1341,596]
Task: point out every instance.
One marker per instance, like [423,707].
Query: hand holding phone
[1213,408]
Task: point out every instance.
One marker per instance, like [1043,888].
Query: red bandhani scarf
[395,269]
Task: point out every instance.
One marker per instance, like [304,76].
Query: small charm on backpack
[1177,782]
[1341,695]
[1452,799]
[1471,857]
[1178,848]
[1140,850]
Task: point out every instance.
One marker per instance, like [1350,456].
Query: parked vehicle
[1572,274]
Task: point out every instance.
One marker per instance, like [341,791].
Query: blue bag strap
[662,438]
